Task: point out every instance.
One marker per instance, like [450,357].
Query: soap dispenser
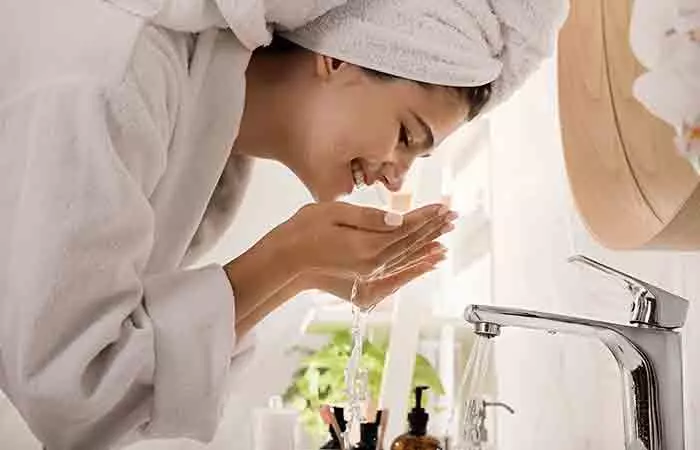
[417,438]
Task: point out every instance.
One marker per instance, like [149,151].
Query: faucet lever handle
[652,305]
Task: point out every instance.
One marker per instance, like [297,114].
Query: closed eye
[404,137]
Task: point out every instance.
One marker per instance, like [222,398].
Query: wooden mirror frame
[630,185]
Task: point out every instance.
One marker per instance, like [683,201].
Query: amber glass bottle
[417,438]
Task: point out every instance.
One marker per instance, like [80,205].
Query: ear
[327,66]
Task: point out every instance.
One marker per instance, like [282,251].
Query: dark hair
[475,96]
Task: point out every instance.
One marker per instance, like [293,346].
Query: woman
[127,128]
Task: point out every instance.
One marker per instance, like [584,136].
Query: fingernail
[453,215]
[441,249]
[393,219]
[447,228]
[441,257]
[443,210]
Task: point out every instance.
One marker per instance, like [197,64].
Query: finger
[382,288]
[410,233]
[425,235]
[412,222]
[414,242]
[425,213]
[417,243]
[415,255]
[434,258]
[365,218]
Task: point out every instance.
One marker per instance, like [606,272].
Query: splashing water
[471,386]
[356,378]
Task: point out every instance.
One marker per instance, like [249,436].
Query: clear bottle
[417,438]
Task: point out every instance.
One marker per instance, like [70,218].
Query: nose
[392,175]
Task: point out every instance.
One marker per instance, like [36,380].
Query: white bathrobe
[114,134]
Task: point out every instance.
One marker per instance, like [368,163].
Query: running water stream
[356,382]
[356,377]
[471,388]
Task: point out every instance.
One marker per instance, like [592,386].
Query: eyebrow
[427,131]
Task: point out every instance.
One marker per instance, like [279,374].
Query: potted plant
[320,378]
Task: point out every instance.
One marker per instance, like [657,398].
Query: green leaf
[312,378]
[425,375]
[321,377]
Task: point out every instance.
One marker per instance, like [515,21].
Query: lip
[365,173]
[349,184]
[349,181]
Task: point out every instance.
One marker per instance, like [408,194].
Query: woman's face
[349,124]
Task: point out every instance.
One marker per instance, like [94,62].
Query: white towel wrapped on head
[444,42]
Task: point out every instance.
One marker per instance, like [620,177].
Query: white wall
[565,390]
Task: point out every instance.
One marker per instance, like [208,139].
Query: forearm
[274,301]
[261,278]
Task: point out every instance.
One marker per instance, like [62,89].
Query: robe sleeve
[93,350]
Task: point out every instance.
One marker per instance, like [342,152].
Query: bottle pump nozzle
[418,417]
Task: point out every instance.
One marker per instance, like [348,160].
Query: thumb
[365,218]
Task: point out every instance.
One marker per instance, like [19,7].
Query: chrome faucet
[648,353]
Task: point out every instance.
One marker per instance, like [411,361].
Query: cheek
[320,133]
[355,125]
[372,133]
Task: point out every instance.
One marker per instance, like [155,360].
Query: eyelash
[404,137]
[405,140]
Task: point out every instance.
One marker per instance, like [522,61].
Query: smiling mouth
[359,177]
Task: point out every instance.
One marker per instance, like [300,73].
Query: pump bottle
[417,438]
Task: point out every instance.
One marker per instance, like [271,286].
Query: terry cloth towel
[443,42]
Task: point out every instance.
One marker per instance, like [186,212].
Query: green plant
[320,378]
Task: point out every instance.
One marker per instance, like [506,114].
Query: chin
[327,191]
[325,196]
[319,195]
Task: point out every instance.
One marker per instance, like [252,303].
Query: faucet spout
[649,360]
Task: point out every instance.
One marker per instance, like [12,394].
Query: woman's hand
[334,241]
[344,239]
[372,290]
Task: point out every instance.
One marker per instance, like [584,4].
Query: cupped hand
[355,241]
[371,291]
[410,251]
[328,246]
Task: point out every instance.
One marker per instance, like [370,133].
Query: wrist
[258,274]
[288,251]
